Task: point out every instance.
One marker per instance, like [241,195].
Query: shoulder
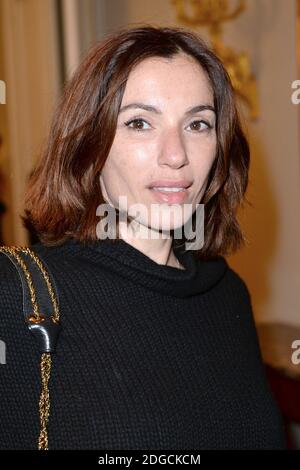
[11,288]
[230,282]
[65,255]
[12,330]
[237,285]
[238,317]
[11,297]
[242,313]
[237,301]
[9,280]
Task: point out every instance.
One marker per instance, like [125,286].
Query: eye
[200,125]
[137,124]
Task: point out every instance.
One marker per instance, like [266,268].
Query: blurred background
[42,43]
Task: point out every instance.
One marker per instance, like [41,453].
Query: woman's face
[165,143]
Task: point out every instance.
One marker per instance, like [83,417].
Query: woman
[158,348]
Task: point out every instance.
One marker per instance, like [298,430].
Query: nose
[172,151]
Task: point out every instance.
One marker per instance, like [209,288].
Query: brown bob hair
[63,190]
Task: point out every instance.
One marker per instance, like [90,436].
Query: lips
[171,192]
[170,184]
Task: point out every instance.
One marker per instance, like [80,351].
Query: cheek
[130,155]
[201,166]
[140,153]
[202,157]
[122,172]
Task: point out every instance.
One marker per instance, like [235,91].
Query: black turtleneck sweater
[150,356]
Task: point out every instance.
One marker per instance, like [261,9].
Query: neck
[150,242]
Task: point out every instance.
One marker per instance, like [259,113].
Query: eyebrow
[153,109]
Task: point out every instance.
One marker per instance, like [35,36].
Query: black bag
[42,317]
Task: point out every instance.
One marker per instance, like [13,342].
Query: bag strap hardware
[44,326]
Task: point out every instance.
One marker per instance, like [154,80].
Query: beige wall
[30,65]
[4,152]
[271,262]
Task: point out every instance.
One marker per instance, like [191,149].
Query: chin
[161,217]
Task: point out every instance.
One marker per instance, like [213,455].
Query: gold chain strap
[37,317]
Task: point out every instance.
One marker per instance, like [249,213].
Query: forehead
[181,74]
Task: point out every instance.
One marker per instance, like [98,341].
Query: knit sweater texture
[150,356]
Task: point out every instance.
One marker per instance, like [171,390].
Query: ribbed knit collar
[127,261]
